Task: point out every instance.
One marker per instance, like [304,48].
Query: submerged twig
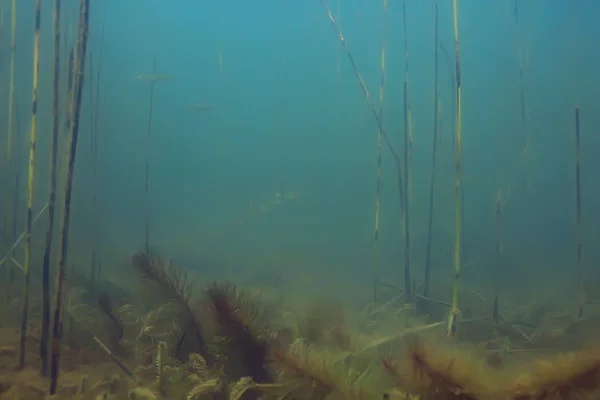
[370,102]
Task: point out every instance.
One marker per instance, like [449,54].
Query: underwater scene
[301,200]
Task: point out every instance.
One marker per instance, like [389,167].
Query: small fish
[500,202]
[202,108]
[285,196]
[153,77]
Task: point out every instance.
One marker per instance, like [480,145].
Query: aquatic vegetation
[255,350]
[168,283]
[174,338]
[105,305]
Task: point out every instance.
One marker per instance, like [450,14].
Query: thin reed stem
[378,178]
[148,155]
[9,269]
[79,69]
[579,226]
[31,182]
[499,209]
[406,209]
[407,168]
[338,65]
[365,90]
[96,265]
[452,323]
[451,72]
[51,193]
[11,95]
[436,106]
[521,78]
[70,78]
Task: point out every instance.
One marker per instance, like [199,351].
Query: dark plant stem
[79,69]
[52,194]
[436,104]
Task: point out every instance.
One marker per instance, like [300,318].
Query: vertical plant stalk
[1,35]
[93,272]
[499,209]
[51,193]
[161,357]
[338,17]
[94,152]
[9,268]
[30,182]
[451,73]
[407,168]
[382,131]
[378,178]
[452,319]
[148,154]
[406,209]
[220,57]
[79,69]
[579,226]
[527,138]
[11,95]
[282,136]
[15,204]
[436,106]
[409,107]
[70,78]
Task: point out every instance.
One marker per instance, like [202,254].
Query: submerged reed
[51,193]
[452,321]
[96,261]
[407,168]
[9,269]
[11,95]
[378,179]
[79,69]
[436,106]
[395,155]
[579,227]
[30,181]
[527,138]
[148,155]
